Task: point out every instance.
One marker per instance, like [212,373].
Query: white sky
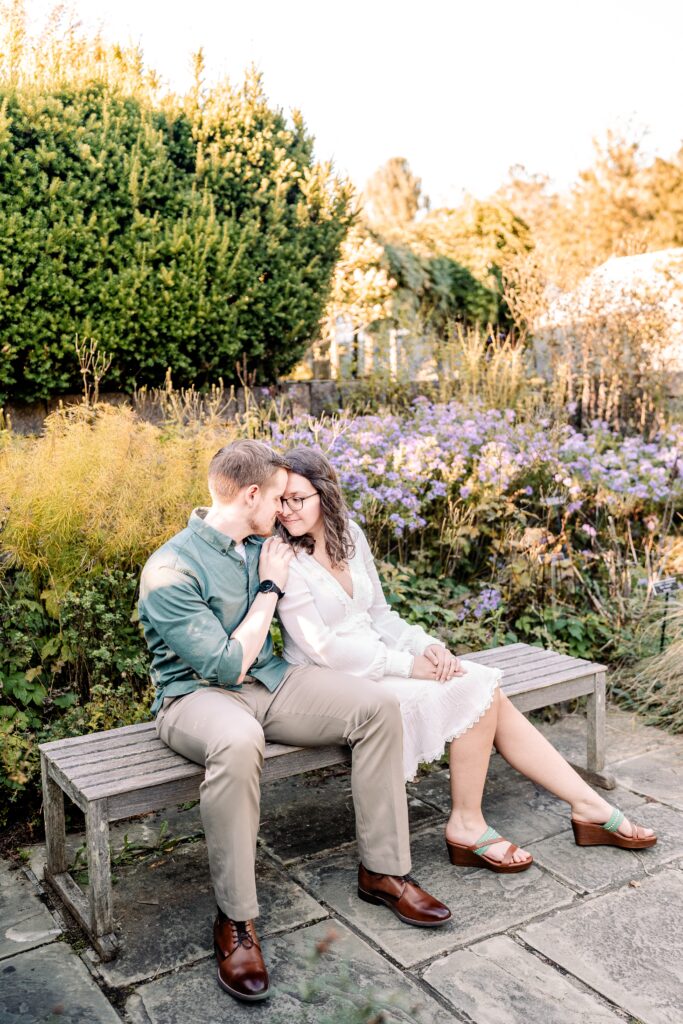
[462,89]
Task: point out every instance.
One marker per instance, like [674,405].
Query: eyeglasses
[296,504]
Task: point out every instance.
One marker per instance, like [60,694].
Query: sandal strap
[488,838]
[615,820]
[509,854]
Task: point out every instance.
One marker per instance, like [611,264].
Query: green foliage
[175,235]
[440,605]
[437,289]
[479,238]
[82,671]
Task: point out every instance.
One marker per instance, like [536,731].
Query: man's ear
[251,493]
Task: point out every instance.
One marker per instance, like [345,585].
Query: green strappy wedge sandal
[474,856]
[588,834]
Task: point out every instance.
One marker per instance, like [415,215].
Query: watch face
[267,586]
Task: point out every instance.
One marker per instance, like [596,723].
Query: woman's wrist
[399,663]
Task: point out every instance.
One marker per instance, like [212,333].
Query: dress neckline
[328,575]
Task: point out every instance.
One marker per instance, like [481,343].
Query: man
[207,598]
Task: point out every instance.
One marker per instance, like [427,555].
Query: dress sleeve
[340,647]
[394,630]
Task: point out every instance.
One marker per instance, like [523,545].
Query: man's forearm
[253,629]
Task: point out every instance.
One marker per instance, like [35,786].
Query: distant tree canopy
[177,233]
[393,195]
[624,204]
[381,281]
[395,266]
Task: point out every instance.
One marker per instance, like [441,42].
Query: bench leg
[99,870]
[595,754]
[55,828]
[95,913]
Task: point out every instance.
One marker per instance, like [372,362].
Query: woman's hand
[445,664]
[423,668]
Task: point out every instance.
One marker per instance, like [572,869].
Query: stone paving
[585,935]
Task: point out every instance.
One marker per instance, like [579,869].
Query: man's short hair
[242,464]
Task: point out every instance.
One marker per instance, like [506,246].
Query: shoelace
[243,936]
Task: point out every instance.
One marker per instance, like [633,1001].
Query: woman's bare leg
[469,762]
[527,750]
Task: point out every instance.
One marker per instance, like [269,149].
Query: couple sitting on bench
[353,673]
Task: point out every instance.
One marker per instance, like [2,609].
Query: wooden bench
[116,774]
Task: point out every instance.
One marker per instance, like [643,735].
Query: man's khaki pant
[226,730]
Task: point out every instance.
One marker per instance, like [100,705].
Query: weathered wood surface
[55,828]
[596,725]
[99,867]
[128,771]
[78,905]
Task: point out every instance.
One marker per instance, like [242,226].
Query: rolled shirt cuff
[399,663]
[230,665]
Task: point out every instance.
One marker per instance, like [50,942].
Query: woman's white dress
[361,635]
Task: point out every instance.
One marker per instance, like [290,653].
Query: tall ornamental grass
[100,488]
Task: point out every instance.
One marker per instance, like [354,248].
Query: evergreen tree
[178,233]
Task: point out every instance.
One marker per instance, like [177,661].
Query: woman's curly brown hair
[318,470]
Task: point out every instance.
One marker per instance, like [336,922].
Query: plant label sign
[668,585]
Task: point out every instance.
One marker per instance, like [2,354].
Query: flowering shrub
[396,469]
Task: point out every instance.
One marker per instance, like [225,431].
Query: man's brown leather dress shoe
[241,970]
[403,895]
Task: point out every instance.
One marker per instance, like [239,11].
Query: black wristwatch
[268,587]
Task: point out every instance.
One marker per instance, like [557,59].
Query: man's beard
[258,529]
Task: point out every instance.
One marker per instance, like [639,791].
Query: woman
[335,614]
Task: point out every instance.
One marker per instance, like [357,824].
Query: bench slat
[290,761]
[530,664]
[496,654]
[124,805]
[98,737]
[67,759]
[169,767]
[583,684]
[117,768]
[526,660]
[539,676]
[531,700]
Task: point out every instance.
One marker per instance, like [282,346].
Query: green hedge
[184,237]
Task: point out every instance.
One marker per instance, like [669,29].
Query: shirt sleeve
[176,610]
[394,631]
[339,647]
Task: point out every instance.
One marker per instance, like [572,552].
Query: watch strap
[270,588]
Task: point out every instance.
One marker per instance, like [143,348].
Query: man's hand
[445,664]
[273,563]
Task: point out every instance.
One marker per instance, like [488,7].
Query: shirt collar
[220,541]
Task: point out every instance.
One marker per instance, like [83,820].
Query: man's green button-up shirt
[194,592]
